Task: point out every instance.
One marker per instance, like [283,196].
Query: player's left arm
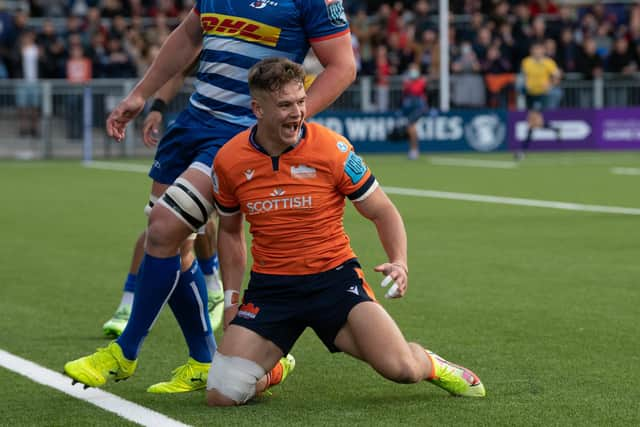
[379,209]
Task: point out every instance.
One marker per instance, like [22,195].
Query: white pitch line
[512,201]
[107,401]
[446,195]
[113,166]
[477,163]
[625,171]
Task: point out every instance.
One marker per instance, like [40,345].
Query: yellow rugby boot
[457,380]
[106,363]
[189,377]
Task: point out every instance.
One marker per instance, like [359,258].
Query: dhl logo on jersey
[217,24]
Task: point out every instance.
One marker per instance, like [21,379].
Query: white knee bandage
[186,202]
[234,377]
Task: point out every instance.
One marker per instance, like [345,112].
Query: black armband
[158,105]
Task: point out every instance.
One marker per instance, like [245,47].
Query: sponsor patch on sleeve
[354,167]
[335,10]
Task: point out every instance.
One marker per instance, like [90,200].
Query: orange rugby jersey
[294,202]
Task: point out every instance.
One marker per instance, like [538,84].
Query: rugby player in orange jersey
[290,178]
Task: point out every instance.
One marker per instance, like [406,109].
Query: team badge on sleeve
[354,167]
[335,10]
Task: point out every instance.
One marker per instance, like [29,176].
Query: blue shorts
[195,136]
[413,107]
[280,308]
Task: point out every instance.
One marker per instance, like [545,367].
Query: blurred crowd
[121,37]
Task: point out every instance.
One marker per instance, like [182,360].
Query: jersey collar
[254,143]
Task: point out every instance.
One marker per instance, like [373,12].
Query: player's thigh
[239,341]
[158,189]
[372,335]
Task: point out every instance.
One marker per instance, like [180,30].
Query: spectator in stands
[6,40]
[429,54]
[54,52]
[522,32]
[539,29]
[500,14]
[589,63]
[78,70]
[119,27]
[49,8]
[93,25]
[414,105]
[362,30]
[588,25]
[555,92]
[384,70]
[507,42]
[27,91]
[603,39]
[622,60]
[568,51]
[160,30]
[468,88]
[541,74]
[97,52]
[423,17]
[470,32]
[119,63]
[482,43]
[113,8]
[164,7]
[495,62]
[543,7]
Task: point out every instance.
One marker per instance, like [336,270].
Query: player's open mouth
[292,127]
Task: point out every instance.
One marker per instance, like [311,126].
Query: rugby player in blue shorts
[304,272]
[232,37]
[203,243]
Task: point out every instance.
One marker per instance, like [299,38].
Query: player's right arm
[181,47]
[232,254]
[232,249]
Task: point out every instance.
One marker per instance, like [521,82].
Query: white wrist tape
[231,298]
[393,290]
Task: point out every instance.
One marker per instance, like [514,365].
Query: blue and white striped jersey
[239,33]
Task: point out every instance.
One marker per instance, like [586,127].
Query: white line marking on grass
[444,195]
[625,171]
[512,201]
[107,401]
[113,166]
[476,163]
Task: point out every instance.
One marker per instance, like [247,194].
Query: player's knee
[232,380]
[159,232]
[187,204]
[215,398]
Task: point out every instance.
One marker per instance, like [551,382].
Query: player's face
[283,113]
